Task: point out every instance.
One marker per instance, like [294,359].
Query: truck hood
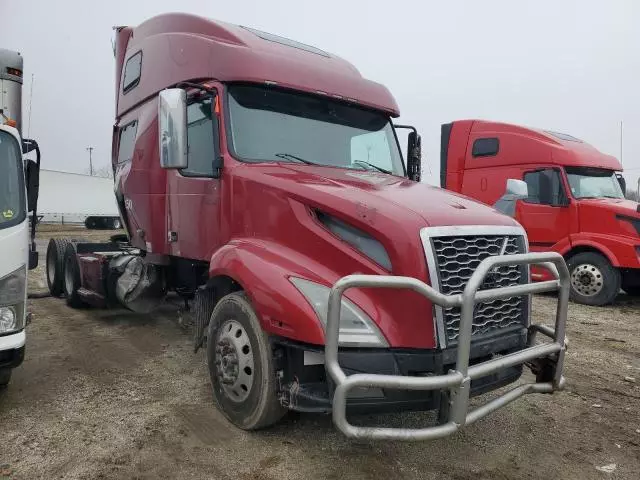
[609,216]
[278,204]
[384,193]
[616,205]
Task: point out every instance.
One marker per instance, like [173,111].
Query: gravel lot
[112,394]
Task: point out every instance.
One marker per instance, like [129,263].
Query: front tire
[241,365]
[594,281]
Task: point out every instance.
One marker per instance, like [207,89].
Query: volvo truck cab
[261,180]
[575,204]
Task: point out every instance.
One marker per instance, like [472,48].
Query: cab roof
[10,65]
[566,150]
[180,47]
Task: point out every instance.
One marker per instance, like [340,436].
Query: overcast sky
[570,66]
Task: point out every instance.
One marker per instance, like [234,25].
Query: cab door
[193,193]
[546,214]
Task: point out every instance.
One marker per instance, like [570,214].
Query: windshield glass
[271,125]
[593,183]
[12,210]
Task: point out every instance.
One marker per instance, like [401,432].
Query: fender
[620,251]
[263,269]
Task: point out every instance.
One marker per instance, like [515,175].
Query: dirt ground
[111,394]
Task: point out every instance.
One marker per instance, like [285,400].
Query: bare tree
[632,195]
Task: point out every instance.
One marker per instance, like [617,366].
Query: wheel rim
[51,267]
[587,280]
[116,224]
[234,361]
[68,277]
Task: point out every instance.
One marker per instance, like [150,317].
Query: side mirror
[414,156]
[33,184]
[517,188]
[623,183]
[172,128]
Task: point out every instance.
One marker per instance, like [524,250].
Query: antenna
[30,105]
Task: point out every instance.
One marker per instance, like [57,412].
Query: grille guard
[457,381]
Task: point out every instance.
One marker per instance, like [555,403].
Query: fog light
[8,317]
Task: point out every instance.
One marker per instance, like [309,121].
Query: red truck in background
[575,204]
[261,182]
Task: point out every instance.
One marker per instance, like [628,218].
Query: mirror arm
[408,127]
[195,85]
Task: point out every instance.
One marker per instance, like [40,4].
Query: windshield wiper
[288,156]
[380,169]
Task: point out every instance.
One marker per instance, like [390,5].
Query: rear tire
[55,265]
[72,277]
[5,377]
[241,365]
[594,281]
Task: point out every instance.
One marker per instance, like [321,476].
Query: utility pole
[621,141]
[90,150]
[30,105]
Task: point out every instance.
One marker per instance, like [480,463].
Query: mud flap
[203,304]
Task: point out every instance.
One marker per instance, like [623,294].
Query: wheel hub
[587,280]
[234,361]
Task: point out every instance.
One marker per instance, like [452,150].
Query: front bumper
[312,392]
[457,384]
[12,349]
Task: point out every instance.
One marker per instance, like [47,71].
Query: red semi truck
[261,181]
[575,204]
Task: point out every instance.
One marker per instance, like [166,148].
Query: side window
[545,187]
[485,147]
[132,72]
[372,148]
[201,138]
[127,142]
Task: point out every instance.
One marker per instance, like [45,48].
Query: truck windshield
[272,125]
[12,197]
[588,182]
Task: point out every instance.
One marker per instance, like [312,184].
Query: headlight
[356,328]
[12,288]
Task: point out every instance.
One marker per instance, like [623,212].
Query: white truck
[18,197]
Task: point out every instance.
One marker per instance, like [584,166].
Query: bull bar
[457,381]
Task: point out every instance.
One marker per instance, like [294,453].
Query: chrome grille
[457,257]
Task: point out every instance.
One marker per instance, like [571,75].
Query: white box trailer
[73,198]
